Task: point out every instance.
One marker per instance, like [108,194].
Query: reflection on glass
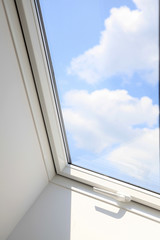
[105,57]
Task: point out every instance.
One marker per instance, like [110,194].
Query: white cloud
[140,157]
[101,118]
[128,44]
[115,125]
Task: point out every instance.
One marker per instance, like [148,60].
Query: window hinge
[117,195]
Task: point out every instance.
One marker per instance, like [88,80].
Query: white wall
[63,214]
[22,170]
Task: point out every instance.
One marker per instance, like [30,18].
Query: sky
[105,58]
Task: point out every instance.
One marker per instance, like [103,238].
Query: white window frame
[43,77]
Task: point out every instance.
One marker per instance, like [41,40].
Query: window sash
[44,78]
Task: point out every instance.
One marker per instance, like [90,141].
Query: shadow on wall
[116,215]
[48,218]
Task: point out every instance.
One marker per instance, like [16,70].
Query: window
[114,114]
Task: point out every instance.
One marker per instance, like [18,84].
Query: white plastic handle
[117,196]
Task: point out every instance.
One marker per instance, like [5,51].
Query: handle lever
[117,196]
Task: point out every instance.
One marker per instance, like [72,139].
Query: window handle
[117,196]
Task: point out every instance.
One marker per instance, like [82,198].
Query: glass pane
[105,58]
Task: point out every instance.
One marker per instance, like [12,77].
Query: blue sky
[105,58]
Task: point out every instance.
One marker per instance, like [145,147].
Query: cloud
[115,126]
[128,44]
[140,157]
[102,118]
